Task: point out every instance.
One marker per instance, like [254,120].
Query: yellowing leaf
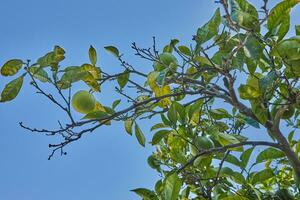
[99,107]
[275,16]
[123,79]
[113,50]
[11,67]
[139,135]
[95,71]
[161,91]
[39,73]
[128,126]
[12,89]
[93,55]
[151,79]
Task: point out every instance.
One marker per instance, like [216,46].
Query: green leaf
[123,79]
[253,49]
[116,103]
[219,113]
[93,55]
[229,158]
[172,185]
[244,14]
[52,58]
[251,122]
[71,75]
[158,126]
[210,29]
[235,176]
[261,176]
[11,67]
[291,136]
[297,29]
[202,60]
[128,126]
[278,13]
[267,81]
[12,89]
[269,154]
[113,50]
[86,73]
[259,111]
[145,193]
[96,115]
[139,135]
[172,114]
[248,92]
[160,79]
[227,139]
[185,50]
[232,159]
[158,136]
[39,73]
[93,70]
[165,120]
[245,156]
[236,197]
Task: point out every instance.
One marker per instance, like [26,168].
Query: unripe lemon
[83,102]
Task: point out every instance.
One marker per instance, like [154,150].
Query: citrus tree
[240,74]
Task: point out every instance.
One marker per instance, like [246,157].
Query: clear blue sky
[107,163]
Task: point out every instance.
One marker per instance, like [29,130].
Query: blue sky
[107,163]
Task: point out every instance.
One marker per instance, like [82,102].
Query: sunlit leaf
[39,73]
[128,126]
[158,136]
[278,13]
[172,187]
[139,135]
[244,14]
[93,55]
[113,50]
[145,194]
[210,29]
[116,103]
[185,50]
[219,113]
[269,154]
[263,175]
[245,156]
[248,92]
[123,79]
[96,115]
[11,67]
[12,89]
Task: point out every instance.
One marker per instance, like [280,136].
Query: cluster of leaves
[201,148]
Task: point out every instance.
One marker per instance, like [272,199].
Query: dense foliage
[240,75]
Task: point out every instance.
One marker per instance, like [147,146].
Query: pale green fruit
[83,102]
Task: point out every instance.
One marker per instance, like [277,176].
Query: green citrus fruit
[204,142]
[83,102]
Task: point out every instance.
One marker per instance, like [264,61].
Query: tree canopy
[241,73]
